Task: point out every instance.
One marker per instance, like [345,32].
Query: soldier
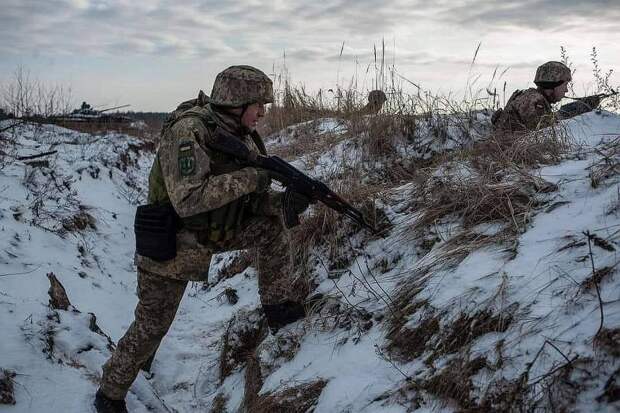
[530,109]
[376,99]
[221,205]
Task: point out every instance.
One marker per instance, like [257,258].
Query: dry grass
[236,266]
[487,184]
[466,328]
[477,201]
[79,222]
[611,391]
[455,385]
[590,283]
[454,382]
[609,164]
[608,340]
[330,233]
[253,383]
[301,398]
[332,312]
[219,404]
[305,139]
[244,333]
[521,150]
[407,343]
[426,334]
[7,387]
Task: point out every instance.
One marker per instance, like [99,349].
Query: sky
[154,54]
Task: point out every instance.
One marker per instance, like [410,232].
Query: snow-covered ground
[541,287]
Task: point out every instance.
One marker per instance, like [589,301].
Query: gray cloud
[193,39]
[190,28]
[548,15]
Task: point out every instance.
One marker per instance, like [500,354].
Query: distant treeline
[146,116]
[154,120]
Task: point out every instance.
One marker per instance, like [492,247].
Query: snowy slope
[57,357]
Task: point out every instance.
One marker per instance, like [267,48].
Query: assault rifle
[598,97]
[584,104]
[292,178]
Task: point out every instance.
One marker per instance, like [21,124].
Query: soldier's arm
[269,203]
[187,174]
[535,112]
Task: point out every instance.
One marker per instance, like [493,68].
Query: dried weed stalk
[301,398]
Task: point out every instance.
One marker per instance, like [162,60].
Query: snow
[540,285]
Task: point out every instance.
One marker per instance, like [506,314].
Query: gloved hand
[298,202]
[263,180]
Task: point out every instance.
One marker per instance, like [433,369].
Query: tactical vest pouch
[155,227]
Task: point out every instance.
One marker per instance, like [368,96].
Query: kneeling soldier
[219,205]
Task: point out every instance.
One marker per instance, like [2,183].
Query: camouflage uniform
[525,110]
[217,201]
[530,109]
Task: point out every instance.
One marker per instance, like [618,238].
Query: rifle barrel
[600,95]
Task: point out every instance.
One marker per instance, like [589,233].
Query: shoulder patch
[187,159]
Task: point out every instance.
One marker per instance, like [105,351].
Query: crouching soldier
[376,99]
[218,205]
[529,110]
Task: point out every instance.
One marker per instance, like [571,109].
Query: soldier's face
[252,114]
[560,91]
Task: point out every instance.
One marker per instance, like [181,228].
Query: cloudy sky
[155,53]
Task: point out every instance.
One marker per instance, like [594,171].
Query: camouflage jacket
[529,110]
[526,110]
[210,192]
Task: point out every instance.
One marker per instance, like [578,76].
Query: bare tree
[24,96]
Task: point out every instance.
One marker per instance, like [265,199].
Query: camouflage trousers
[159,298]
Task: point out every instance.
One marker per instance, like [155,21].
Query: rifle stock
[292,178]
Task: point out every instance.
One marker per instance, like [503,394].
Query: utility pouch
[155,227]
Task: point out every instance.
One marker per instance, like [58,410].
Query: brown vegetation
[245,331]
[301,398]
[7,386]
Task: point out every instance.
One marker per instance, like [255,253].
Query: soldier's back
[526,110]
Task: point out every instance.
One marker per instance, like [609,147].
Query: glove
[298,202]
[263,180]
[293,204]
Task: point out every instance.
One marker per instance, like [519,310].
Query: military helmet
[552,74]
[241,85]
[376,97]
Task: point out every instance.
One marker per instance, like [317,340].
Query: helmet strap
[243,109]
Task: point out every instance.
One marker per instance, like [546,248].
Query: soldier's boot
[103,404]
[146,367]
[282,314]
